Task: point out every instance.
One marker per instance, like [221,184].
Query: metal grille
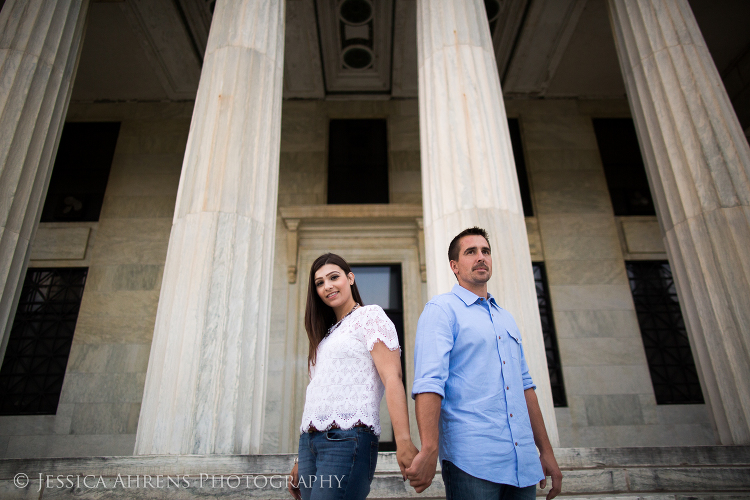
[550,337]
[670,360]
[32,373]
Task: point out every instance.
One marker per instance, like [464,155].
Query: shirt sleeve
[432,351]
[377,326]
[525,375]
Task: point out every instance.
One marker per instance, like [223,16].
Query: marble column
[40,44]
[698,164]
[468,172]
[205,383]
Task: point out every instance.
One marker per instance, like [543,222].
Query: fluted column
[205,384]
[698,163]
[468,173]
[40,44]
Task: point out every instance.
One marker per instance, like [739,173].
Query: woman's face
[334,287]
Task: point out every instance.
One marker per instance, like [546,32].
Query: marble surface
[597,330]
[56,243]
[39,50]
[468,172]
[698,163]
[206,379]
[642,236]
[304,148]
[106,368]
[702,472]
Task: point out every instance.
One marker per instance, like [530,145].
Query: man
[471,382]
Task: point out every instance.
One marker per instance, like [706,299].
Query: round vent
[493,9]
[355,11]
[357,57]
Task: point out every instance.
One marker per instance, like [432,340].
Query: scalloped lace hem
[335,425]
[389,345]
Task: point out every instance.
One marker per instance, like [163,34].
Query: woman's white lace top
[345,386]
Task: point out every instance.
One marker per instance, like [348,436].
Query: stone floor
[674,473]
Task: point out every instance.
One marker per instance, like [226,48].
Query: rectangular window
[357,162]
[32,372]
[381,285]
[670,360]
[550,336]
[523,178]
[81,171]
[623,166]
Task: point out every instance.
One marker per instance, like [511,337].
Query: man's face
[474,265]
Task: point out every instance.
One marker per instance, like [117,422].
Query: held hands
[293,483]
[550,468]
[405,453]
[422,470]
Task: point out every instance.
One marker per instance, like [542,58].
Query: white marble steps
[674,473]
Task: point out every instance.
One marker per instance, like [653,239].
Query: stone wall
[304,148]
[610,397]
[303,182]
[125,253]
[574,230]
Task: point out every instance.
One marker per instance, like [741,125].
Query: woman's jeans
[337,464]
[460,485]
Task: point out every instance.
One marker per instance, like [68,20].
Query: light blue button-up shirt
[469,351]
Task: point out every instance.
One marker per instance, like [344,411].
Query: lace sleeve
[375,326]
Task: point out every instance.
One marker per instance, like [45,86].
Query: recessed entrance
[381,285]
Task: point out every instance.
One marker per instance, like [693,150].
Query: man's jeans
[337,464]
[462,486]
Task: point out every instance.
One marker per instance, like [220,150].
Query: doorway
[381,284]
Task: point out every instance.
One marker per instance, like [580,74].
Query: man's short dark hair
[454,247]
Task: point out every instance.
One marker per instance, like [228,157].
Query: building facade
[601,143]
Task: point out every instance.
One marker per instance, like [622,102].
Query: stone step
[674,473]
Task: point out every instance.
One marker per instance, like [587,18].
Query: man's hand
[293,483]
[546,455]
[550,468]
[422,470]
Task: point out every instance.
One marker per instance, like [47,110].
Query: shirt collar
[470,297]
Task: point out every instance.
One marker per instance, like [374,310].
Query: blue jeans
[337,464]
[460,485]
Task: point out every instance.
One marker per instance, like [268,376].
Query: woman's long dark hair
[318,316]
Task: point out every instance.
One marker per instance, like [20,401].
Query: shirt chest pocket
[514,345]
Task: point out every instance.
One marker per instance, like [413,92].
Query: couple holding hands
[475,401]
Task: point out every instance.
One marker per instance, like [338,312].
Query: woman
[354,358]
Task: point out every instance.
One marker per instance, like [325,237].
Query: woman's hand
[388,364]
[293,484]
[405,453]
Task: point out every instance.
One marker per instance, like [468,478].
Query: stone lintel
[323,212]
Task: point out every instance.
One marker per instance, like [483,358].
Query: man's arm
[422,469]
[432,350]
[546,454]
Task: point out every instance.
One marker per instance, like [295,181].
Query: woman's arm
[388,364]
